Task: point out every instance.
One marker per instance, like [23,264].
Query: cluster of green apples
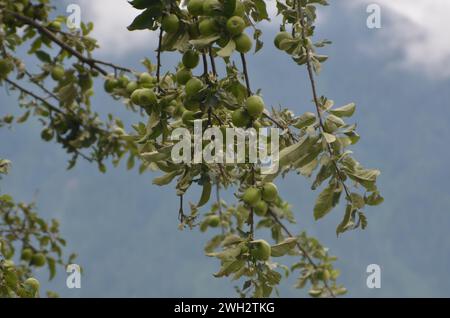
[215,19]
[36,259]
[259,198]
[253,110]
[6,67]
[26,7]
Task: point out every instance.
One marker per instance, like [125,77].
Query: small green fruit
[235,25]
[270,192]
[207,27]
[193,86]
[240,118]
[33,283]
[170,23]
[252,196]
[85,81]
[27,254]
[261,208]
[38,260]
[123,81]
[57,73]
[260,250]
[192,104]
[190,59]
[135,96]
[280,37]
[111,84]
[183,76]
[213,220]
[188,118]
[5,68]
[55,25]
[255,106]
[147,97]
[243,43]
[131,87]
[146,78]
[195,7]
[211,7]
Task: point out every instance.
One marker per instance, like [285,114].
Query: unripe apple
[213,220]
[170,23]
[57,73]
[179,110]
[38,260]
[243,43]
[188,118]
[280,37]
[260,250]
[193,86]
[235,25]
[55,25]
[131,87]
[5,68]
[192,104]
[123,81]
[27,253]
[270,192]
[252,196]
[207,27]
[33,283]
[183,76]
[146,78]
[255,106]
[147,97]
[195,7]
[261,208]
[211,7]
[111,84]
[135,96]
[85,82]
[240,118]
[190,59]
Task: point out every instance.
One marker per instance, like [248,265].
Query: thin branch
[247,80]
[158,60]
[41,86]
[205,65]
[213,62]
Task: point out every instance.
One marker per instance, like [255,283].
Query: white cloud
[417,29]
[111,18]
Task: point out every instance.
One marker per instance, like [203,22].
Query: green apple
[193,30]
[195,7]
[188,118]
[280,37]
[147,97]
[136,96]
[190,59]
[85,82]
[252,196]
[5,68]
[270,192]
[170,23]
[260,250]
[131,87]
[33,283]
[213,220]
[27,253]
[240,118]
[179,110]
[123,81]
[235,25]
[239,10]
[211,7]
[192,104]
[146,78]
[57,73]
[261,208]
[183,76]
[243,43]
[111,84]
[55,25]
[193,86]
[255,106]
[207,27]
[38,260]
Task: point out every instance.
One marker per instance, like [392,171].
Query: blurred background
[124,229]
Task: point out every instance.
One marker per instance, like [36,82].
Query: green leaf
[329,138]
[284,247]
[305,120]
[166,179]
[374,199]
[146,20]
[228,49]
[206,194]
[43,56]
[206,41]
[325,202]
[344,111]
[229,268]
[154,156]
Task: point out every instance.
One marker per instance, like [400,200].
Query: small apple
[192,104]
[131,87]
[240,118]
[5,68]
[280,37]
[195,7]
[179,110]
[33,283]
[38,260]
[123,81]
[260,250]
[183,76]
[111,84]
[170,23]
[27,253]
[135,96]
[243,43]
[188,118]
[261,208]
[270,192]
[147,97]
[55,25]
[207,27]
[146,78]
[235,25]
[57,73]
[85,82]
[252,196]
[213,220]
[190,59]
[211,7]
[193,86]
[255,106]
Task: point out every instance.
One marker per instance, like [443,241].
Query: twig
[158,60]
[247,81]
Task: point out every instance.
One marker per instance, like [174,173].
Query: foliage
[204,32]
